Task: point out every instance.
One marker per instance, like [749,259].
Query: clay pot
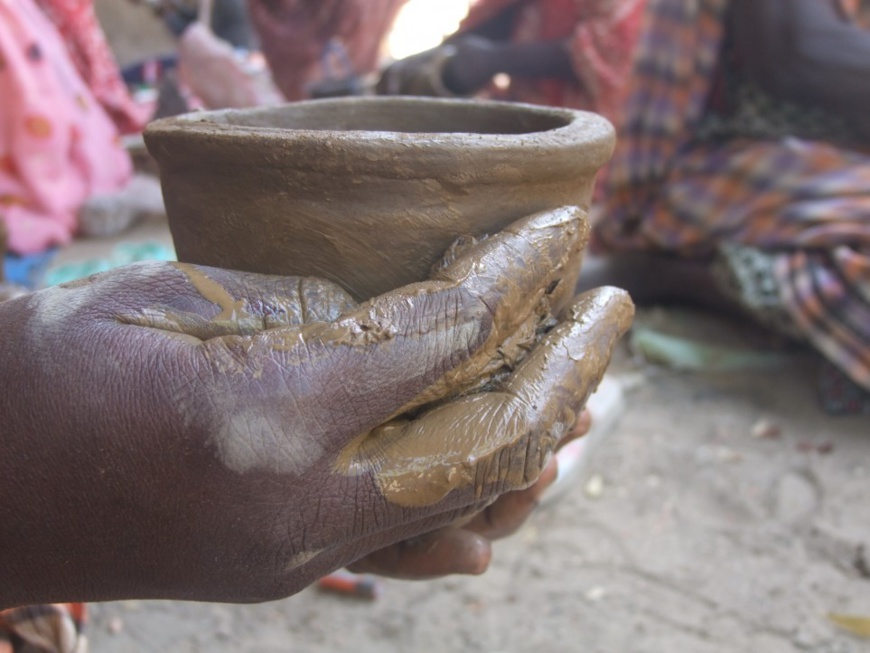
[367,192]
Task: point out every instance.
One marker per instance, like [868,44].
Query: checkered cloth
[804,203]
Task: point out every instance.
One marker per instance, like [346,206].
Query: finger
[479,300]
[210,303]
[410,346]
[581,427]
[494,442]
[405,549]
[441,553]
[510,511]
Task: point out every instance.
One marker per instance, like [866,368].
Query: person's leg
[790,223]
[652,278]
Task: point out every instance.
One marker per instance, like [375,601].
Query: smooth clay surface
[366,192]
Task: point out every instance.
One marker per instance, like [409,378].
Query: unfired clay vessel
[366,192]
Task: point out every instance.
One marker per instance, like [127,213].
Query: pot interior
[402,116]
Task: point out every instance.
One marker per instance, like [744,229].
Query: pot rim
[586,138]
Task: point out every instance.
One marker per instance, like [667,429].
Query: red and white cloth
[601,35]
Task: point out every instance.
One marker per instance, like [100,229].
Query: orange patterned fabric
[601,34]
[56,628]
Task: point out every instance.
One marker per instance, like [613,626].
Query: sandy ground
[703,538]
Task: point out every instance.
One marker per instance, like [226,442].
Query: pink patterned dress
[58,121]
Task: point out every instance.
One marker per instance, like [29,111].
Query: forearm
[477,61]
[25,500]
[70,527]
[804,52]
[544,59]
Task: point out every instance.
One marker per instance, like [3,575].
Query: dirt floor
[692,527]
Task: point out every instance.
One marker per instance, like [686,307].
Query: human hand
[475,61]
[466,547]
[461,67]
[193,433]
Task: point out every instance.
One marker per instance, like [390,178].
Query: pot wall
[367,208]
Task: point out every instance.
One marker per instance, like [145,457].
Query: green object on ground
[122,254]
[692,355]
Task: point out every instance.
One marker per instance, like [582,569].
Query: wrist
[71,506]
[465,75]
[435,77]
[542,59]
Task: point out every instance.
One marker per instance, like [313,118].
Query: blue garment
[28,270]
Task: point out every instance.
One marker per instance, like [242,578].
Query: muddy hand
[419,74]
[538,405]
[205,434]
[466,547]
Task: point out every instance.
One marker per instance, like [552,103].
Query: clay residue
[502,437]
[543,253]
[231,308]
[485,385]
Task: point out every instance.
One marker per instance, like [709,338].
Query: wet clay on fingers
[306,338]
[504,436]
[366,192]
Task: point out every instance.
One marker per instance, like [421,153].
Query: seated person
[64,107]
[298,37]
[571,54]
[742,173]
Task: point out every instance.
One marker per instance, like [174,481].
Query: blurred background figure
[572,53]
[327,43]
[216,63]
[62,166]
[742,173]
[270,50]
[227,18]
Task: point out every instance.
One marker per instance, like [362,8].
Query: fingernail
[477,561]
